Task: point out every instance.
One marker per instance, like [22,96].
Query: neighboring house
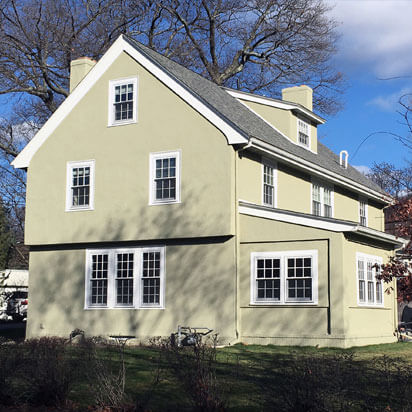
[156,198]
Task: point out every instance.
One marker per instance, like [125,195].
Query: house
[156,198]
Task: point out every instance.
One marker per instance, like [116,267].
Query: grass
[260,378]
[245,372]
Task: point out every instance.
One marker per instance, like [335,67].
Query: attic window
[303,133]
[122,101]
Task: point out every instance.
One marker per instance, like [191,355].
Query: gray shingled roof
[244,120]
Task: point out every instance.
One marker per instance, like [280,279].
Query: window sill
[282,304]
[169,202]
[123,307]
[124,123]
[369,307]
[79,209]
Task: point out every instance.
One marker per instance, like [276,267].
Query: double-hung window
[303,133]
[165,177]
[370,289]
[125,278]
[80,185]
[322,199]
[284,277]
[363,212]
[269,183]
[122,101]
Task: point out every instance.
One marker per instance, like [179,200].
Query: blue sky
[375,44]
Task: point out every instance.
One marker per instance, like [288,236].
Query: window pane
[165,179]
[124,279]
[80,189]
[98,280]
[268,279]
[299,278]
[123,102]
[361,291]
[379,297]
[151,278]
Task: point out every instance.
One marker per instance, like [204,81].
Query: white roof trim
[275,103]
[251,209]
[121,45]
[317,170]
[283,216]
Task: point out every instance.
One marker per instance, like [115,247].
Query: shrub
[195,368]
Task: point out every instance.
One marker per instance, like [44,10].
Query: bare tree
[395,181]
[253,45]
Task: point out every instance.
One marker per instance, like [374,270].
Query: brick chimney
[78,70]
[299,94]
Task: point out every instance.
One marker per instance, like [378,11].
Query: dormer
[292,116]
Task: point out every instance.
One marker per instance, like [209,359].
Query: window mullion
[283,279]
[137,278]
[111,281]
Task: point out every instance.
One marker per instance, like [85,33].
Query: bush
[195,368]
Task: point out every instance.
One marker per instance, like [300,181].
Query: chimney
[299,94]
[78,70]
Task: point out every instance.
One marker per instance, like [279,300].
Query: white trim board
[274,103]
[333,225]
[22,161]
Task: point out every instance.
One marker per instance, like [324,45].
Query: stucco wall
[290,324]
[293,191]
[363,324]
[285,122]
[200,286]
[121,154]
[293,324]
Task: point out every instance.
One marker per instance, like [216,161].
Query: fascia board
[317,170]
[255,210]
[252,209]
[121,45]
[23,159]
[386,237]
[273,103]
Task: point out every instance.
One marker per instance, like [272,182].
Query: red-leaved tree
[399,266]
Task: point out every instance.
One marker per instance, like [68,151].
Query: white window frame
[69,176]
[111,107]
[298,121]
[152,186]
[137,278]
[283,256]
[272,164]
[322,186]
[372,259]
[365,202]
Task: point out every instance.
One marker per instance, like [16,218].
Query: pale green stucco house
[156,198]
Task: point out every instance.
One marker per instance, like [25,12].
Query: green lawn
[236,378]
[254,378]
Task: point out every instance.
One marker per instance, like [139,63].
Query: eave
[279,104]
[318,222]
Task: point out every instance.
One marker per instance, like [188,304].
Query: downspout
[237,236]
[328,310]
